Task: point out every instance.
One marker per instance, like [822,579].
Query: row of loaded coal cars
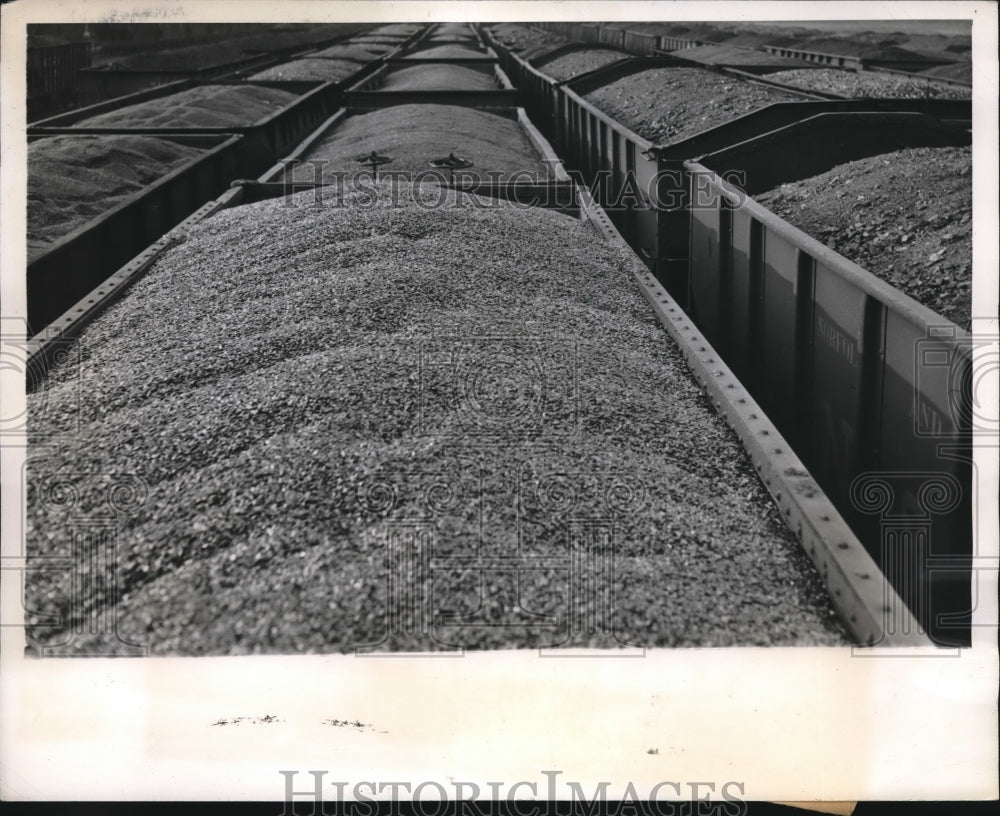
[935,57]
[106,180]
[76,65]
[328,392]
[677,153]
[850,331]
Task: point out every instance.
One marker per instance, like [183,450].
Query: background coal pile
[402,30]
[449,51]
[733,55]
[73,179]
[453,30]
[413,135]
[905,217]
[347,51]
[439,78]
[869,83]
[579,62]
[960,71]
[670,104]
[318,70]
[517,35]
[526,41]
[201,106]
[295,382]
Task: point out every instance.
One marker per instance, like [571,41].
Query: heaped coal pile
[519,37]
[461,38]
[534,53]
[414,135]
[450,51]
[580,62]
[317,397]
[358,53]
[202,106]
[73,179]
[310,70]
[439,78]
[403,30]
[374,45]
[670,104]
[376,42]
[869,84]
[453,31]
[905,217]
[703,32]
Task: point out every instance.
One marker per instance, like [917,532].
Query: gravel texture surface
[320,70]
[378,45]
[413,135]
[869,83]
[452,51]
[904,216]
[580,62]
[72,179]
[539,50]
[669,104]
[358,53]
[298,385]
[202,106]
[518,37]
[439,78]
